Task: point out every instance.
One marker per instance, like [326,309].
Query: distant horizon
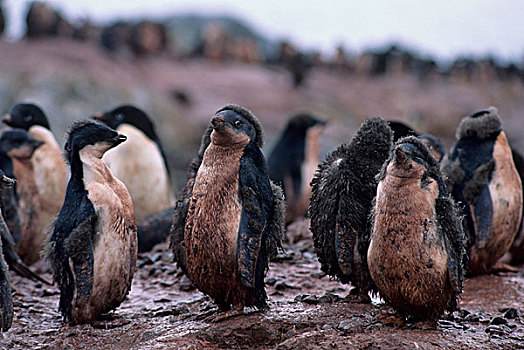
[430,30]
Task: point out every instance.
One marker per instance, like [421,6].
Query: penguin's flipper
[11,257]
[154,229]
[257,210]
[79,248]
[277,225]
[449,222]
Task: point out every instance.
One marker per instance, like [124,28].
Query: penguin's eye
[238,123]
[28,118]
[119,117]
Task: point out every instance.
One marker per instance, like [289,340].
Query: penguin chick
[93,245]
[154,229]
[8,244]
[293,162]
[49,167]
[6,301]
[140,163]
[20,146]
[434,145]
[417,249]
[230,219]
[342,194]
[482,176]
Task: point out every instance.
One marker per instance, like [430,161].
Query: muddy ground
[307,310]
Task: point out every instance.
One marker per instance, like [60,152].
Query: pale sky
[443,28]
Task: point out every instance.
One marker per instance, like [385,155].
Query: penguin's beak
[6,119]
[120,138]
[218,122]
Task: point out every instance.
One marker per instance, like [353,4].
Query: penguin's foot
[226,315]
[390,319]
[357,297]
[502,268]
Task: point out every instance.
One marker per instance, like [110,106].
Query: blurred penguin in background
[140,163]
[293,161]
[50,173]
[481,175]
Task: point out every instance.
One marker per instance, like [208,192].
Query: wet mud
[308,310]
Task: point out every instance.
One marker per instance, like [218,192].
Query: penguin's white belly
[138,163]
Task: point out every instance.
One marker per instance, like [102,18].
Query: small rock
[446,324]
[344,325]
[167,284]
[162,300]
[146,261]
[277,293]
[271,281]
[310,299]
[484,319]
[511,313]
[472,318]
[495,330]
[327,326]
[498,320]
[301,297]
[328,298]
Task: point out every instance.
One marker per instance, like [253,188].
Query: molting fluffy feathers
[481,125]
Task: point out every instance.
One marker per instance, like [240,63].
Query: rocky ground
[307,311]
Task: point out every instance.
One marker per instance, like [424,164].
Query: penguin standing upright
[230,219]
[417,252]
[92,250]
[342,199]
[48,165]
[293,161]
[140,163]
[482,177]
[20,146]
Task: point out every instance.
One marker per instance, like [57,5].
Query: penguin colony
[391,212]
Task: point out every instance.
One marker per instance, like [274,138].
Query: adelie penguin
[293,161]
[418,250]
[93,245]
[416,255]
[482,176]
[49,167]
[19,146]
[342,194]
[230,219]
[140,163]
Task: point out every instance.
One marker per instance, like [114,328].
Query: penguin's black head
[17,143]
[411,158]
[5,181]
[303,121]
[485,124]
[401,130]
[236,126]
[435,146]
[90,137]
[127,114]
[24,116]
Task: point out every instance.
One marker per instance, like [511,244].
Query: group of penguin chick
[385,216]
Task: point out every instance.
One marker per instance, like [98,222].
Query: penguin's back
[139,164]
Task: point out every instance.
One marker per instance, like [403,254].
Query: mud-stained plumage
[92,247]
[293,161]
[19,146]
[140,163]
[481,175]
[6,301]
[50,173]
[417,252]
[154,229]
[230,218]
[342,193]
